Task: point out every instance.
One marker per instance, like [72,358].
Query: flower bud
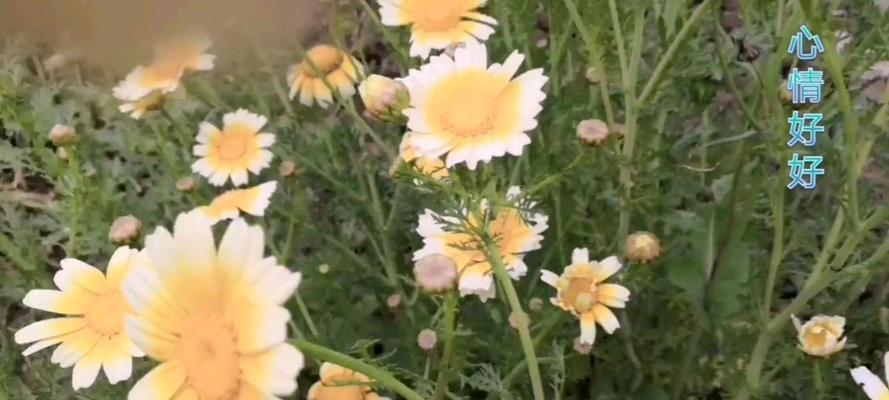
[287,168]
[642,247]
[535,304]
[592,132]
[125,230]
[384,98]
[427,339]
[592,74]
[62,135]
[821,336]
[185,184]
[394,301]
[435,273]
[323,269]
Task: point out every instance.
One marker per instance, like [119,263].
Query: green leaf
[691,268]
[730,282]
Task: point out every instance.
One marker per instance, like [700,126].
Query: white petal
[870,383]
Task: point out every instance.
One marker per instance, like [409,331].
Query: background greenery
[702,164]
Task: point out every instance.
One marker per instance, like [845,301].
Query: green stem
[619,39]
[521,318]
[819,379]
[554,178]
[595,59]
[450,319]
[379,376]
[777,246]
[304,311]
[630,109]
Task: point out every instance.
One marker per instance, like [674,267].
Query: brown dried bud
[592,132]
[125,230]
[436,273]
[642,247]
[62,135]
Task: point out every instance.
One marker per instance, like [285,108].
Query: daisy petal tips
[471,111]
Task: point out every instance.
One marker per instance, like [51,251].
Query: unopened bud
[535,304]
[593,75]
[62,135]
[287,168]
[435,273]
[642,247]
[394,301]
[323,269]
[383,97]
[125,230]
[592,132]
[427,339]
[185,184]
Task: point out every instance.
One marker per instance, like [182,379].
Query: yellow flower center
[473,103]
[325,59]
[436,15]
[816,337]
[106,316]
[234,142]
[580,294]
[207,348]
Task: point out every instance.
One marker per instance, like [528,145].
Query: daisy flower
[231,152]
[137,108]
[432,167]
[472,111]
[172,58]
[515,232]
[581,291]
[211,315]
[820,336]
[871,383]
[92,335]
[229,205]
[438,24]
[338,383]
[324,65]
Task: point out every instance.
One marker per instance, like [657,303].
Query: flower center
[232,144]
[435,15]
[207,348]
[816,337]
[107,313]
[580,294]
[325,59]
[468,103]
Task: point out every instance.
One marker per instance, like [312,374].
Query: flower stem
[819,379]
[380,376]
[450,319]
[521,318]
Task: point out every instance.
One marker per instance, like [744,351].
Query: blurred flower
[338,383]
[437,24]
[593,75]
[821,336]
[844,39]
[535,304]
[323,269]
[592,132]
[515,231]
[231,152]
[394,301]
[229,205]
[324,65]
[172,57]
[642,247]
[384,98]
[213,316]
[185,184]
[152,101]
[581,291]
[427,339]
[582,348]
[471,111]
[125,229]
[875,82]
[431,167]
[62,135]
[435,273]
[873,387]
[92,335]
[287,168]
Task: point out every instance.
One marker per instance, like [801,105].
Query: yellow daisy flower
[229,205]
[92,335]
[437,24]
[231,152]
[432,167]
[820,336]
[211,315]
[516,232]
[472,112]
[330,64]
[338,383]
[581,291]
[171,59]
[873,387]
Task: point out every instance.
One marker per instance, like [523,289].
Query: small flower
[515,231]
[152,101]
[125,229]
[435,273]
[436,25]
[185,184]
[212,314]
[92,335]
[231,152]
[62,135]
[470,111]
[394,301]
[873,387]
[821,336]
[229,205]
[324,65]
[432,167]
[592,132]
[642,247]
[581,291]
[383,97]
[338,383]
[427,339]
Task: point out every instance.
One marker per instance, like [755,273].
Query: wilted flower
[821,336]
[427,339]
[437,25]
[62,135]
[185,184]
[435,273]
[229,205]
[642,247]
[383,97]
[125,229]
[324,65]
[592,132]
[873,387]
[237,148]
